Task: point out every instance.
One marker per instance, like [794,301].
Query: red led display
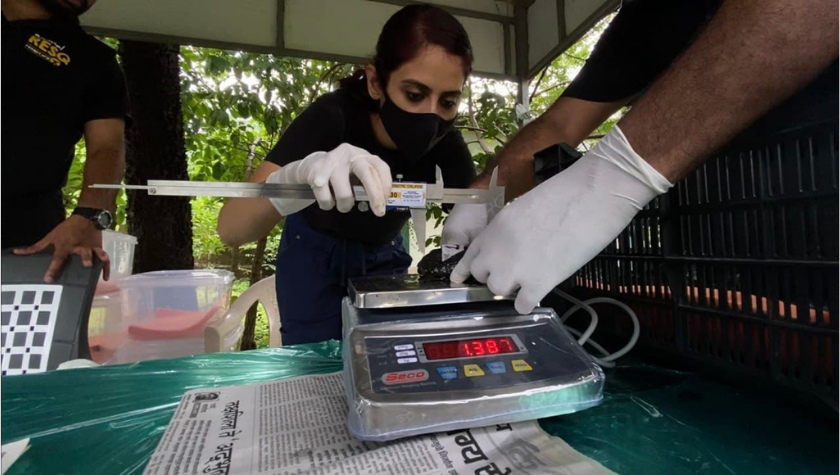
[445,350]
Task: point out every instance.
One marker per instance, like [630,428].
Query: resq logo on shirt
[48,50]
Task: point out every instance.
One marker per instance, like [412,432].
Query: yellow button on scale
[521,365]
[472,370]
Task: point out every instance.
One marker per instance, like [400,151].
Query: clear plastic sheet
[460,371]
[109,420]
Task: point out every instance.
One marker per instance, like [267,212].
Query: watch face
[104,219]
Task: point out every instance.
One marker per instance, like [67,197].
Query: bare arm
[104,141]
[568,120]
[244,220]
[105,145]
[752,56]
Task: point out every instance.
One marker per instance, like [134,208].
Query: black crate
[736,268]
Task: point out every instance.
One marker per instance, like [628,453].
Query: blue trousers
[312,273]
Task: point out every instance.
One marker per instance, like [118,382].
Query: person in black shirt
[59,84]
[392,119]
[699,72]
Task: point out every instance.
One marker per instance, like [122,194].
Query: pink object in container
[171,324]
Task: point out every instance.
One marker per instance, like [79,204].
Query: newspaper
[298,426]
[11,452]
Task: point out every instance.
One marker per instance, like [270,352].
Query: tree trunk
[248,341]
[155,151]
[234,265]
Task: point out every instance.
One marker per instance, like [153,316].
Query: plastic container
[105,330]
[120,249]
[163,314]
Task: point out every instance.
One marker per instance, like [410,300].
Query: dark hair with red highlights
[406,33]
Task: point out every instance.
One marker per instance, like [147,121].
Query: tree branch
[467,127]
[326,74]
[537,85]
[564,83]
[249,169]
[474,123]
[575,57]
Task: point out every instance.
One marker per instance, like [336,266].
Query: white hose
[607,359]
[579,305]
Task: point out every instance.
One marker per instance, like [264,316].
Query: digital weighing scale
[423,357]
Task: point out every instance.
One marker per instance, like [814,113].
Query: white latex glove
[541,239]
[328,173]
[464,224]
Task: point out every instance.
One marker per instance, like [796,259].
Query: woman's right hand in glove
[465,223]
[328,173]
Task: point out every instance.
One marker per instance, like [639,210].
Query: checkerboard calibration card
[28,317]
[43,325]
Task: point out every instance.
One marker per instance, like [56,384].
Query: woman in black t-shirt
[393,118]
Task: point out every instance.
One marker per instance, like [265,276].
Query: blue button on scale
[448,372]
[497,367]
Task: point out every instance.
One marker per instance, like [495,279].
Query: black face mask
[414,134]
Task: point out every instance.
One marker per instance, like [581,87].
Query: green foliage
[550,83]
[434,212]
[206,241]
[553,81]
[73,188]
[236,106]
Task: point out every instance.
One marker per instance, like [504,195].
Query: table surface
[109,420]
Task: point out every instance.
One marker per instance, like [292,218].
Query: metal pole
[520,20]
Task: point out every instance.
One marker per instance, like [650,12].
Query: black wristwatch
[101,218]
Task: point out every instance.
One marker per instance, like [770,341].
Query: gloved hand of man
[328,173]
[464,224]
[542,238]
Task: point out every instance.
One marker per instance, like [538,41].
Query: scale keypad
[404,366]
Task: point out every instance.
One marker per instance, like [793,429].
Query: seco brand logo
[404,377]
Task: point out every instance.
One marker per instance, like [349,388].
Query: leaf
[243,109]
[271,125]
[219,117]
[217,64]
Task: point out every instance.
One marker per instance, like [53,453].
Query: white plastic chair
[262,292]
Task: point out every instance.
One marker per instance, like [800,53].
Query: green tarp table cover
[109,420]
